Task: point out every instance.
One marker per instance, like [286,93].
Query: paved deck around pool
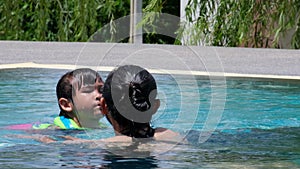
[214,61]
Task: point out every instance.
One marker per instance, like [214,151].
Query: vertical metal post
[136,35]
[183,4]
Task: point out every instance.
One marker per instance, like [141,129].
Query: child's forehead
[81,82]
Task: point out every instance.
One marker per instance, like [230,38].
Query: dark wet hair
[129,92]
[74,80]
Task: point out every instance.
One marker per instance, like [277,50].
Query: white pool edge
[156,71]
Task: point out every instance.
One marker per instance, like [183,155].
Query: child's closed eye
[87,89]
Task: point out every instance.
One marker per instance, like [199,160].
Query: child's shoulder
[163,134]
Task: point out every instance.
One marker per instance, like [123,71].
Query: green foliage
[251,23]
[64,20]
[57,20]
[155,24]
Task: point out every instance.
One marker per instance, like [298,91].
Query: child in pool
[79,95]
[130,95]
[130,101]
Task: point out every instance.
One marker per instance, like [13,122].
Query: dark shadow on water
[114,161]
[100,158]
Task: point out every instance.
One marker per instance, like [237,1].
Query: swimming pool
[259,127]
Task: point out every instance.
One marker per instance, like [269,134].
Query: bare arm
[37,137]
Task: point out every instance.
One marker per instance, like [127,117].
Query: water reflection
[244,145]
[114,161]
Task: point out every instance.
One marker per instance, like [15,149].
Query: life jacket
[65,123]
[60,122]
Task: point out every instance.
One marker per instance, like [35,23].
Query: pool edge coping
[156,71]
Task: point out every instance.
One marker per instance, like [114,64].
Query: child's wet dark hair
[130,91]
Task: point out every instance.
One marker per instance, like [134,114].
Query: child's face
[87,103]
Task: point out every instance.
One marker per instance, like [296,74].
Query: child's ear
[65,104]
[156,105]
[104,106]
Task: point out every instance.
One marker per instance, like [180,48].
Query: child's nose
[98,95]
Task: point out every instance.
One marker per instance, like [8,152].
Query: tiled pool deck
[218,61]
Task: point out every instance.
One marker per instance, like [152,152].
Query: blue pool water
[259,124]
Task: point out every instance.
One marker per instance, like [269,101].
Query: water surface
[259,125]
